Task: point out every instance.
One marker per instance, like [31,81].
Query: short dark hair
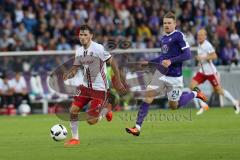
[170,15]
[86,27]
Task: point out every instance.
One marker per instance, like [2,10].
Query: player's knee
[218,91]
[74,109]
[173,105]
[148,100]
[193,84]
[92,121]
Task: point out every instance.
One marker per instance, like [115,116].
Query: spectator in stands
[20,89]
[47,21]
[36,87]
[81,13]
[190,37]
[30,43]
[6,43]
[124,15]
[19,46]
[229,54]
[234,37]
[21,32]
[106,18]
[30,20]
[144,31]
[139,43]
[63,45]
[18,12]
[6,92]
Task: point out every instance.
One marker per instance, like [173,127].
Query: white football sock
[202,104]
[195,100]
[195,94]
[103,112]
[229,97]
[138,127]
[74,129]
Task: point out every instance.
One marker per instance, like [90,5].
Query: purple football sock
[185,98]
[143,111]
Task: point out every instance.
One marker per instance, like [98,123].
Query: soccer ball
[58,132]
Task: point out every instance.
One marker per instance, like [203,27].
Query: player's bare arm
[211,56]
[118,82]
[71,73]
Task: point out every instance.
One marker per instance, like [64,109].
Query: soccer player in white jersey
[207,71]
[92,57]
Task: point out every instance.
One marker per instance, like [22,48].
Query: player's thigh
[91,120]
[74,109]
[174,93]
[193,83]
[155,88]
[94,110]
[150,94]
[214,80]
[79,102]
[218,89]
[198,79]
[173,104]
[174,89]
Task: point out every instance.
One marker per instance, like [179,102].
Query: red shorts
[96,98]
[212,78]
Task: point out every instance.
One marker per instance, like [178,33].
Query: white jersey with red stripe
[206,67]
[93,59]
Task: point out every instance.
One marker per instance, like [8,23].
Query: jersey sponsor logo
[87,62]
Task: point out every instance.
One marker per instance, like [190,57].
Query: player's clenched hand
[142,64]
[65,76]
[69,75]
[166,63]
[118,85]
[200,58]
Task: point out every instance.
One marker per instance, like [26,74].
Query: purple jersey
[175,48]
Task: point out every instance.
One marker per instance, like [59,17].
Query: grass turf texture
[213,135]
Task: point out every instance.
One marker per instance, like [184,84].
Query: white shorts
[164,85]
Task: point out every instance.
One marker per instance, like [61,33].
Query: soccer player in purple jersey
[175,50]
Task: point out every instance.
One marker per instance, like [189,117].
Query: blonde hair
[170,15]
[203,30]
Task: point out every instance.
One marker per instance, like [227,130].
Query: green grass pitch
[165,135]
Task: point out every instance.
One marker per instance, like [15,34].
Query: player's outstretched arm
[118,82]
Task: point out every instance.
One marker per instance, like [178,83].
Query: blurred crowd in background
[53,24]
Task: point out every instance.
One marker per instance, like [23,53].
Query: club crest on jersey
[91,53]
[164,48]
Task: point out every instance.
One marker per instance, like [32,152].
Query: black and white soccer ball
[58,132]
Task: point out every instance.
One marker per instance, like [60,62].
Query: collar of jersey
[171,33]
[202,43]
[88,46]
